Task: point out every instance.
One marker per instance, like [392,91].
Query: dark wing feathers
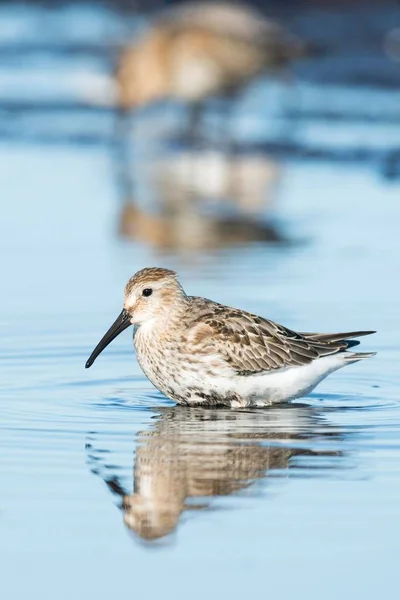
[251,344]
[335,337]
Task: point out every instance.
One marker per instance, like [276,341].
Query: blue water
[297,501]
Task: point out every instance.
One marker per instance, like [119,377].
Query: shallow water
[107,489]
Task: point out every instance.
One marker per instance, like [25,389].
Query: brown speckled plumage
[202,49]
[197,351]
[149,276]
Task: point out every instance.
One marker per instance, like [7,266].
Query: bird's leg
[290,103]
[226,138]
[195,133]
[121,156]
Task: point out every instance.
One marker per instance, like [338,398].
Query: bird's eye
[147,292]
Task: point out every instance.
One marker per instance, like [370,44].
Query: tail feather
[338,337]
[356,356]
[352,343]
[341,343]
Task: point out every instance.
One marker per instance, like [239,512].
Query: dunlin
[196,351]
[191,53]
[201,49]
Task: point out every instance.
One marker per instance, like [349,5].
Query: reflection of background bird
[185,230]
[193,454]
[188,195]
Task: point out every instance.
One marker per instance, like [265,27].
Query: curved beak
[121,322]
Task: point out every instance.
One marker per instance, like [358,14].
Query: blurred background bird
[203,49]
[191,54]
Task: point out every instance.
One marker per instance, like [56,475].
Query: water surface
[107,488]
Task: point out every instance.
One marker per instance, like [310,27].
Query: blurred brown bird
[202,49]
[191,53]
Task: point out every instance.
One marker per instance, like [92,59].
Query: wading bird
[196,351]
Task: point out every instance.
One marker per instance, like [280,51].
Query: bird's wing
[251,344]
[335,337]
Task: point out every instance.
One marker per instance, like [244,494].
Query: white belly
[268,388]
[207,379]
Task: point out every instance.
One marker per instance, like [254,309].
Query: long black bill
[121,322]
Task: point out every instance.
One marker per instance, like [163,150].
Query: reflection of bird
[182,231]
[192,194]
[196,351]
[247,181]
[191,455]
